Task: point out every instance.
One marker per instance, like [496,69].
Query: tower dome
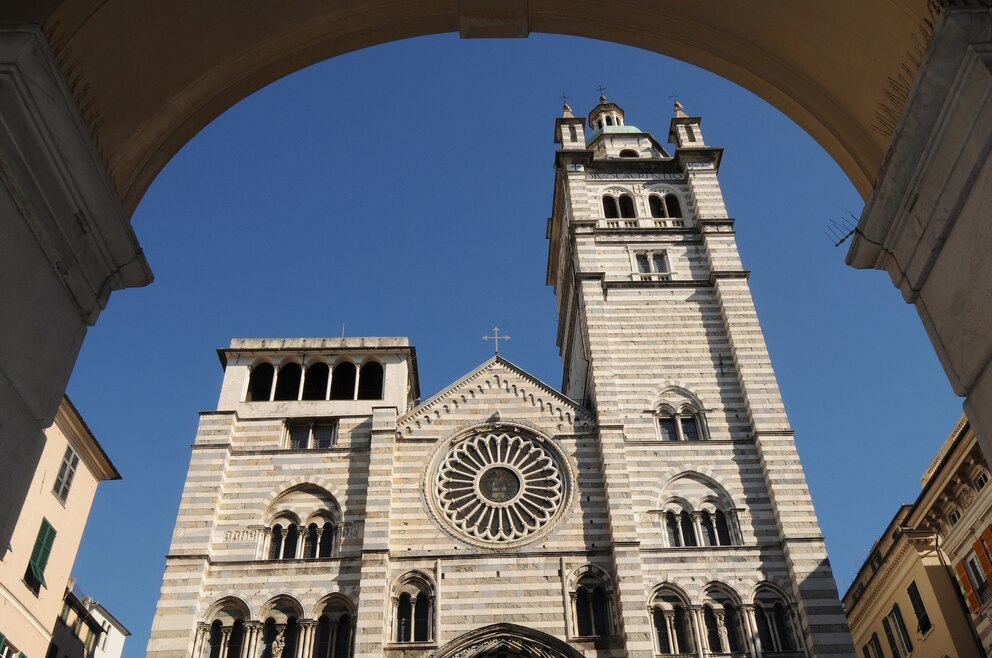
[605,114]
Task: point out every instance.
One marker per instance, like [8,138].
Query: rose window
[500,488]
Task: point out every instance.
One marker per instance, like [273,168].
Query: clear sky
[403,190]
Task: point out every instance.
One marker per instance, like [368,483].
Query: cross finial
[602,91]
[495,338]
[564,98]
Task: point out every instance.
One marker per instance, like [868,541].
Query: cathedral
[655,506]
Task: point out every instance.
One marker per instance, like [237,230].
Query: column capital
[252,624]
[307,623]
[202,626]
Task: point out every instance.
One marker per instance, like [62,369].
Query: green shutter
[42,549]
[3,641]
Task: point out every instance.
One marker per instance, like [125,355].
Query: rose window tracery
[500,488]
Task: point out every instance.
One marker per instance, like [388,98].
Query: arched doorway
[510,640]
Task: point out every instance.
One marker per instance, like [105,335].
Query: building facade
[904,599]
[654,506]
[955,507]
[35,568]
[85,629]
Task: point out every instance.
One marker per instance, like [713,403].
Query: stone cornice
[876,584]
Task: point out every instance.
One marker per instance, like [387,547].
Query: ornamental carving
[500,488]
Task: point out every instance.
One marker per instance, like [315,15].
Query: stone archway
[96,96]
[509,640]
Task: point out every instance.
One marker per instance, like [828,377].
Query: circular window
[499,489]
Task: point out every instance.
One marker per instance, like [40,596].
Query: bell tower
[659,337]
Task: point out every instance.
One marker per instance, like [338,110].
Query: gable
[496,388]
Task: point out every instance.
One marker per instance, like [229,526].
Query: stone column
[304,646]
[751,641]
[275,378]
[698,630]
[431,617]
[67,245]
[225,640]
[697,525]
[253,631]
[673,637]
[202,630]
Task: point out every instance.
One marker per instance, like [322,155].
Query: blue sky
[403,190]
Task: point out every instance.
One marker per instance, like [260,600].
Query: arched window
[610,208]
[334,630]
[421,618]
[288,382]
[709,530]
[404,618]
[326,546]
[413,618]
[712,632]
[774,618]
[283,540]
[269,635]
[319,540]
[656,205]
[629,153]
[671,624]
[370,381]
[343,381]
[672,206]
[216,638]
[289,542]
[721,618]
[591,607]
[672,526]
[236,640]
[275,542]
[687,425]
[260,383]
[723,529]
[290,636]
[315,382]
[342,639]
[688,530]
[627,206]
[311,542]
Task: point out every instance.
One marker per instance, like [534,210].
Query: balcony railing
[644,222]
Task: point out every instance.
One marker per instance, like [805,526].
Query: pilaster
[67,244]
[926,222]
[374,595]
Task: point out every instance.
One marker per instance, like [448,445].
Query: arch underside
[831,67]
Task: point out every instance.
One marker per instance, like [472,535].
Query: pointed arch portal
[894,91]
[510,640]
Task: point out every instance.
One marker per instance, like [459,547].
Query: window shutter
[969,593]
[983,558]
[892,640]
[983,554]
[901,627]
[3,642]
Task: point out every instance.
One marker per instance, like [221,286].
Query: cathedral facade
[655,506]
